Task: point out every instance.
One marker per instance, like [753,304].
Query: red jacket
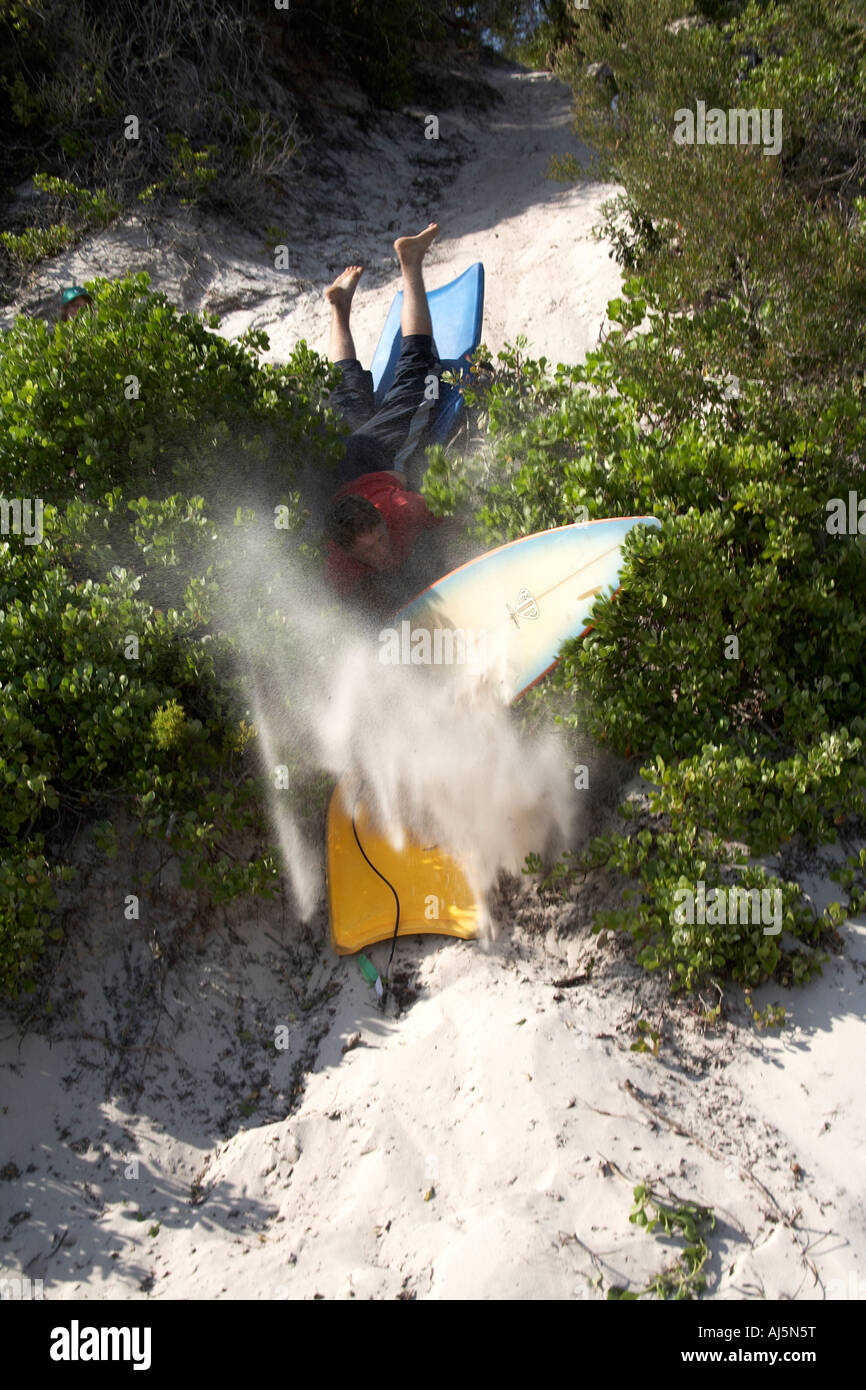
[405,514]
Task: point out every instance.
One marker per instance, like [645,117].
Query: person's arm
[398,476]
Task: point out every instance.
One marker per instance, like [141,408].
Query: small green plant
[37,244]
[274,237]
[853,879]
[169,725]
[559,879]
[191,170]
[84,209]
[772,1016]
[94,209]
[684,1279]
[649,1038]
[24,104]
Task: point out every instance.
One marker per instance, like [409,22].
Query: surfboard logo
[525,607]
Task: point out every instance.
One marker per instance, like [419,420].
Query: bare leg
[411,250]
[339,295]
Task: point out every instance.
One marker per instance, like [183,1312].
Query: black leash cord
[387,883]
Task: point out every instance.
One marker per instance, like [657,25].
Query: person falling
[375,518]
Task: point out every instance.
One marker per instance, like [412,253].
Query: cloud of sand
[433,754]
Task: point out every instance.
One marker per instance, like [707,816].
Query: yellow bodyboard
[433,889]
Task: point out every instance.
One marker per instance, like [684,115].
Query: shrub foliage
[143,433]
[727,399]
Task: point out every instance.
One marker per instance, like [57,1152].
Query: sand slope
[483,180]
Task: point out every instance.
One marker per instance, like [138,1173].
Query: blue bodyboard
[456,310]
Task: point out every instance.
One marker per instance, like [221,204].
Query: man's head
[357,527]
[73,301]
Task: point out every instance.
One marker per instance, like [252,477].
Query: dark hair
[350,517]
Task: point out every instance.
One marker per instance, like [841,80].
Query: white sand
[483,1143]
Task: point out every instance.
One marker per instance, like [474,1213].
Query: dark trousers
[388,437]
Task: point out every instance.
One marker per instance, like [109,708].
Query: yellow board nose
[433,888]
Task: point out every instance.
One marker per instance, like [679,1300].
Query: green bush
[727,400]
[118,689]
[37,244]
[733,658]
[88,211]
[142,397]
[786,308]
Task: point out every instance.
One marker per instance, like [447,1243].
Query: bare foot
[340,293]
[411,250]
